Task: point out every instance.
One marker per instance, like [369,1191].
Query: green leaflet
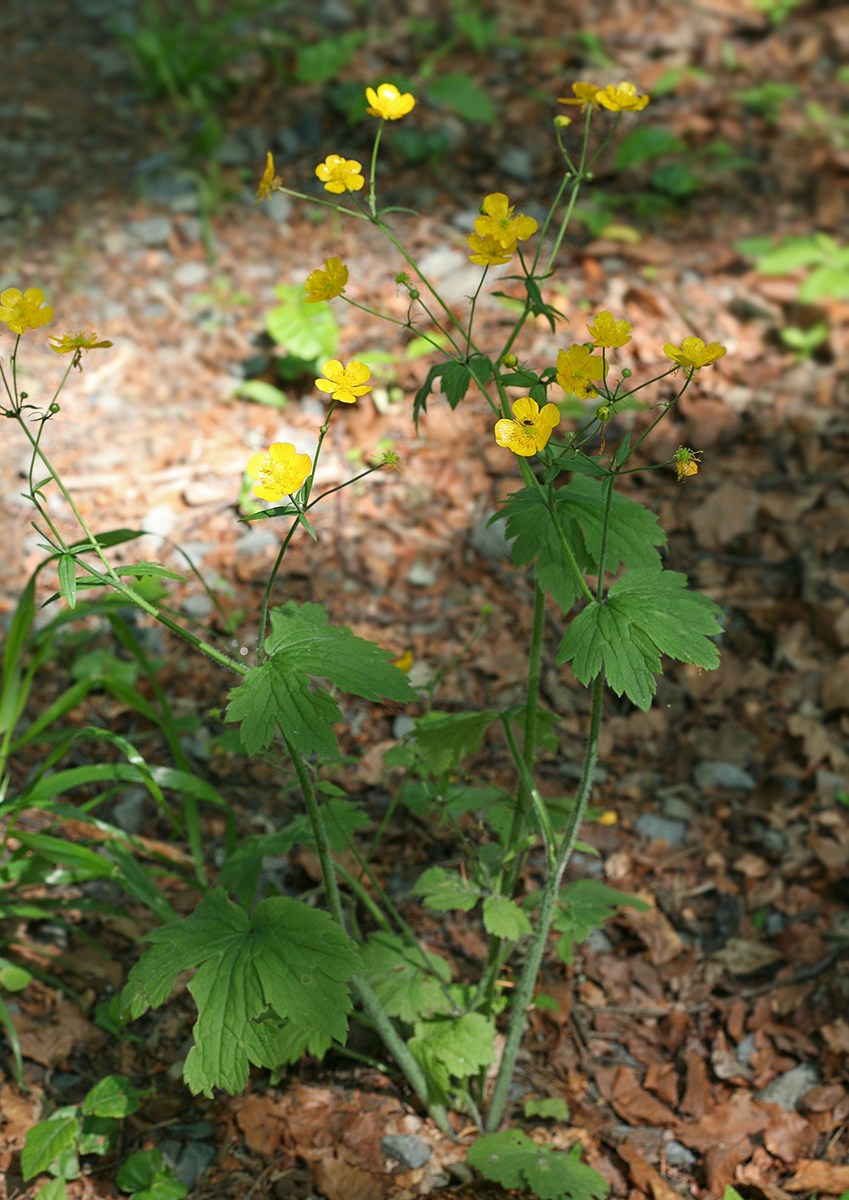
[514,1161]
[284,961]
[407,981]
[646,614]
[578,509]
[585,905]
[303,644]
[453,1047]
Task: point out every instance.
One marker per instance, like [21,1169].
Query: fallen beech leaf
[837,1036]
[789,1136]
[635,1105]
[263,1123]
[814,1176]
[338,1180]
[743,956]
[654,928]
[645,1177]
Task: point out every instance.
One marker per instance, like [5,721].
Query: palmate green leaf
[304,330]
[514,1161]
[443,740]
[407,981]
[503,918]
[284,959]
[446,890]
[453,1047]
[585,905]
[647,613]
[531,530]
[301,644]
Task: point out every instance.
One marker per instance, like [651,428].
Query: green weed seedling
[55,1146]
[275,977]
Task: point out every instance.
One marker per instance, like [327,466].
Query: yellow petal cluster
[497,221]
[21,311]
[340,174]
[72,343]
[686,462]
[616,97]
[326,284]
[693,354]
[344,383]
[488,251]
[269,182]
[530,429]
[607,332]
[280,472]
[387,102]
[577,367]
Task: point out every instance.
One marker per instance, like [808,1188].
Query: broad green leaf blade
[459,92]
[48,1140]
[446,890]
[647,613]
[514,1161]
[453,1047]
[113,1096]
[585,905]
[633,532]
[548,1108]
[307,331]
[285,958]
[406,981]
[456,378]
[503,918]
[273,695]
[443,740]
[262,393]
[241,872]
[532,533]
[54,1189]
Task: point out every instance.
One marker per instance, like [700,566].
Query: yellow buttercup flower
[531,428]
[22,311]
[620,97]
[576,367]
[488,251]
[387,102]
[497,222]
[344,383]
[693,353]
[608,817]
[585,93]
[324,285]
[269,182]
[280,472]
[609,333]
[340,174]
[686,462]
[73,343]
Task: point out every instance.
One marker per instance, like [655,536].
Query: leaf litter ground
[699,1043]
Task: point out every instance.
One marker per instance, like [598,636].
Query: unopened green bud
[561,122]
[414,293]
[626,372]
[603,413]
[510,360]
[54,408]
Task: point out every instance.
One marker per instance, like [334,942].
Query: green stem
[362,991]
[523,995]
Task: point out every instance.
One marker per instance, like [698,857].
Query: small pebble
[151,231]
[679,1156]
[191,274]
[677,809]
[788,1089]
[722,774]
[745,1050]
[411,1152]
[421,574]
[656,828]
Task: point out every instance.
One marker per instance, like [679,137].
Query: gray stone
[490,541]
[713,773]
[411,1152]
[679,1156]
[421,574]
[198,606]
[656,828]
[745,1050]
[518,162]
[191,274]
[774,841]
[193,1161]
[402,725]
[775,923]
[159,521]
[597,942]
[257,540]
[441,261]
[128,812]
[151,231]
[677,809]
[788,1089]
[44,199]
[278,207]
[235,152]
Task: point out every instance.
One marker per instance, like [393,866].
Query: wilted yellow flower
[387,102]
[73,343]
[620,97]
[530,430]
[694,354]
[576,367]
[585,93]
[344,383]
[340,174]
[608,817]
[607,332]
[393,460]
[269,182]
[324,285]
[20,312]
[280,472]
[405,661]
[498,223]
[488,251]
[686,462]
